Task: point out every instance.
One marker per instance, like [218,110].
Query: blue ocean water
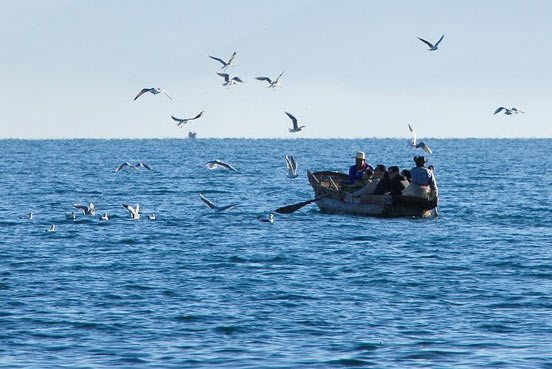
[198,289]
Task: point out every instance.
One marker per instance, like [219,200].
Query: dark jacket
[397,185]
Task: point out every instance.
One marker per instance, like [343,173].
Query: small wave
[349,362]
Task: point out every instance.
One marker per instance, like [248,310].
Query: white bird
[152,217]
[270,218]
[87,210]
[104,217]
[271,83]
[125,164]
[512,111]
[182,121]
[295,128]
[211,205]
[225,64]
[52,228]
[229,81]
[292,167]
[419,145]
[31,215]
[72,215]
[215,164]
[431,46]
[154,91]
[134,213]
[192,134]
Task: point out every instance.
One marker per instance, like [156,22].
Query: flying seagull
[270,218]
[134,213]
[225,64]
[211,205]
[87,210]
[229,81]
[295,128]
[215,164]
[182,121]
[125,164]
[152,90]
[512,111]
[271,83]
[431,46]
[292,167]
[419,145]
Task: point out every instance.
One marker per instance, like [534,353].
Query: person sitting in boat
[397,182]
[357,171]
[369,184]
[406,174]
[384,182]
[423,182]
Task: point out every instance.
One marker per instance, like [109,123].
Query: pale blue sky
[353,68]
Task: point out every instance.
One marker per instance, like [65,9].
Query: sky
[353,69]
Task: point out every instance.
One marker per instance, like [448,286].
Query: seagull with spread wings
[512,111]
[271,83]
[292,167]
[87,210]
[417,145]
[225,64]
[295,127]
[182,121]
[229,81]
[216,164]
[134,212]
[430,45]
[212,206]
[152,90]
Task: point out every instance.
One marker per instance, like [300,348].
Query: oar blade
[292,208]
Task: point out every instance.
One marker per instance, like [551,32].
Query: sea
[201,289]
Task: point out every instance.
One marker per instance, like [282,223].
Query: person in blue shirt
[422,183]
[357,171]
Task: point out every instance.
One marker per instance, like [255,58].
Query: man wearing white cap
[357,171]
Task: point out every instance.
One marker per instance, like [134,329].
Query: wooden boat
[332,196]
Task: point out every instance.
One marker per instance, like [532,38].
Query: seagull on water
[229,81]
[31,215]
[215,164]
[270,218]
[431,46]
[152,217]
[182,121]
[87,210]
[420,145]
[292,167]
[512,111]
[225,64]
[134,213]
[72,215]
[295,128]
[271,83]
[154,91]
[104,217]
[52,228]
[211,205]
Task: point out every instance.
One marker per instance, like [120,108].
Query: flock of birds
[291,163]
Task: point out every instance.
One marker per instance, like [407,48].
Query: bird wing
[122,166]
[424,147]
[130,209]
[264,79]
[84,208]
[237,79]
[499,109]
[413,135]
[197,116]
[219,60]
[231,58]
[426,42]
[438,42]
[293,164]
[165,92]
[207,202]
[218,163]
[226,76]
[143,91]
[227,207]
[277,79]
[179,120]
[517,110]
[288,163]
[145,165]
[293,119]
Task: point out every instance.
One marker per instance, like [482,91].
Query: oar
[292,208]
